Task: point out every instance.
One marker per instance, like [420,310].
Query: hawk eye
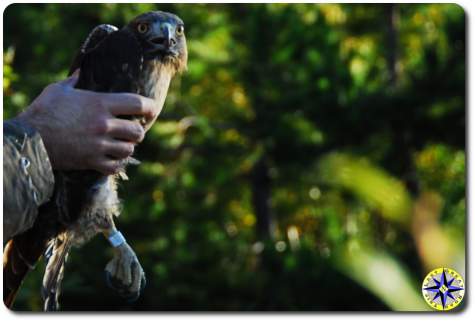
[142,27]
[180,30]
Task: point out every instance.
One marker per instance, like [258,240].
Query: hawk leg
[124,273]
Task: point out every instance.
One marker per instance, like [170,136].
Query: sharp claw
[134,296]
[143,283]
[108,278]
[128,275]
[123,290]
[113,282]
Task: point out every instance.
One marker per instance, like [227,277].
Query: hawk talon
[124,273]
[117,286]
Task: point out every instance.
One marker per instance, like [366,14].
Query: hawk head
[162,37]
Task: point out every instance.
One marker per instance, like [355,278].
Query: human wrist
[28,120]
[24,120]
[33,159]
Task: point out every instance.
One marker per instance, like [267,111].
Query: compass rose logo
[443,289]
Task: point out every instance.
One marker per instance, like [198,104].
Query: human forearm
[28,179]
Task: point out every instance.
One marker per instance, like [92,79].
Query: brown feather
[19,257]
[54,271]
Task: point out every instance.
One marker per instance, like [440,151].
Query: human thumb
[71,80]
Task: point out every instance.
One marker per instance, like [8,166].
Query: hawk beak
[162,40]
[167,33]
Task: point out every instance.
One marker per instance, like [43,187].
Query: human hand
[80,130]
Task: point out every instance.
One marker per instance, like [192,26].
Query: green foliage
[373,186]
[355,119]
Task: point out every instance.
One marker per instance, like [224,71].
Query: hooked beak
[162,40]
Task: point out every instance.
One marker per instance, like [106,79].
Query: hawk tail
[12,276]
[56,256]
[19,257]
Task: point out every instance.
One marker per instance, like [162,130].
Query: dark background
[312,157]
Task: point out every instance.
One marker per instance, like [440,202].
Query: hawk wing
[96,36]
[110,60]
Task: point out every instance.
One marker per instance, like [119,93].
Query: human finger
[126,130]
[71,81]
[107,166]
[117,149]
[130,104]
